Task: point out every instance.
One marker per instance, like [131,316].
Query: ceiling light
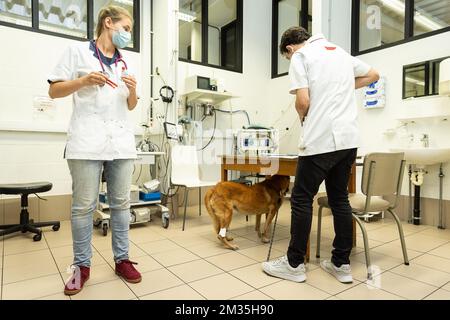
[187,16]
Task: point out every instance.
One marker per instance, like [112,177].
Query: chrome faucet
[425,140]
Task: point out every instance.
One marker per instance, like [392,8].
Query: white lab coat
[98,129]
[329,72]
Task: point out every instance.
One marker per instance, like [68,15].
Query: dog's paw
[265,239]
[234,247]
[229,238]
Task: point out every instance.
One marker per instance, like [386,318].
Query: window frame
[205,38]
[90,24]
[430,68]
[303,22]
[408,34]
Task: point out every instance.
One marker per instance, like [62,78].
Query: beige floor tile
[113,290]
[33,289]
[188,240]
[56,297]
[23,245]
[333,298]
[434,232]
[158,246]
[402,286]
[254,295]
[196,270]
[424,274]
[383,234]
[221,287]
[178,293]
[364,292]
[259,253]
[63,252]
[424,243]
[287,290]
[134,252]
[230,261]
[58,239]
[372,243]
[155,281]
[254,276]
[281,245]
[23,266]
[380,260]
[208,249]
[433,262]
[442,251]
[394,250]
[144,235]
[446,287]
[324,281]
[439,295]
[174,257]
[103,243]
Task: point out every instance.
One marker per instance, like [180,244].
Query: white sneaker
[343,274]
[280,268]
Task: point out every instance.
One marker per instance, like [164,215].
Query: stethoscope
[116,62]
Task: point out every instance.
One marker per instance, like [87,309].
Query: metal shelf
[105,206]
[208,96]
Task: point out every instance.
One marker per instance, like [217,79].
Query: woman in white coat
[95,73]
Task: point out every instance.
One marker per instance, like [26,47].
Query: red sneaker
[127,271]
[76,282]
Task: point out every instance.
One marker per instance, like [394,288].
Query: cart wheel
[37,237]
[105,230]
[165,223]
[56,227]
[97,224]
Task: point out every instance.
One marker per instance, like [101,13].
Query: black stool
[27,225]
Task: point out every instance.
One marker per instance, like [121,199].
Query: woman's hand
[94,79]
[130,82]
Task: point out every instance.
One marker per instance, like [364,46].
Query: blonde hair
[116,14]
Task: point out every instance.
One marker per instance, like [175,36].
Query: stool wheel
[37,237]
[56,227]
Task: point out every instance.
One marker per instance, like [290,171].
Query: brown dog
[262,198]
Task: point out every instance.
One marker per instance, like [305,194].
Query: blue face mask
[121,38]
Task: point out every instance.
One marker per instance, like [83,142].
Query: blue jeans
[86,175]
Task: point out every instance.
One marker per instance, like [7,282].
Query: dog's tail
[211,210]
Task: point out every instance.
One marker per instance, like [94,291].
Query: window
[286,14]
[421,79]
[379,24]
[74,19]
[431,15]
[16,12]
[66,17]
[210,33]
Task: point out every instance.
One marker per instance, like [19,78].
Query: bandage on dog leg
[223,232]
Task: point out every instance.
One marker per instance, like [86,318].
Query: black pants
[335,169]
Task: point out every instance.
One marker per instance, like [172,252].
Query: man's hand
[370,78]
[93,79]
[302,103]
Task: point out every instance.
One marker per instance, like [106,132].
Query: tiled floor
[193,264]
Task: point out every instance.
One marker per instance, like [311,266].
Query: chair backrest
[383,174]
[185,166]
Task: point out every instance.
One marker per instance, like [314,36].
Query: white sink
[425,156]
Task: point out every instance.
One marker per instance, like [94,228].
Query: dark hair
[292,36]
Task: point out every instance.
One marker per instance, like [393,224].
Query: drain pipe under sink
[417,180]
